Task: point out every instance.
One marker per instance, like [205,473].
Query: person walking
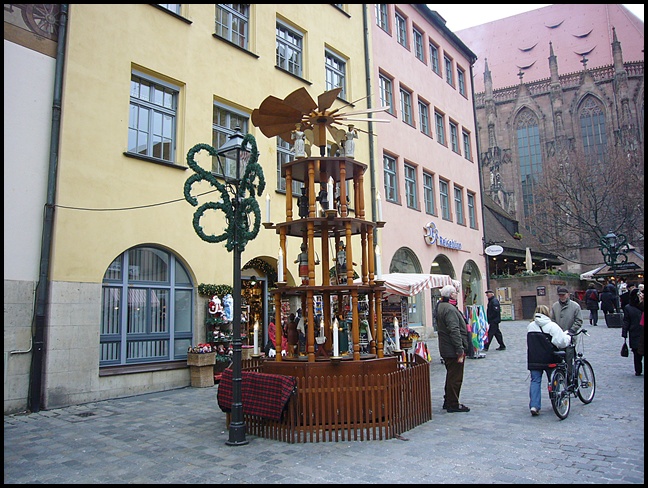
[542,336]
[494,317]
[453,344]
[567,314]
[592,303]
[609,299]
[632,327]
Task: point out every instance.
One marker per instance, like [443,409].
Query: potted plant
[517,236]
[407,336]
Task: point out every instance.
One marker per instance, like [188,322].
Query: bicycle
[572,375]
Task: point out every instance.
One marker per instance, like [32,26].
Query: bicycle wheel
[558,393]
[586,386]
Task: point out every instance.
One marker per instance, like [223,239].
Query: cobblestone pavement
[179,436]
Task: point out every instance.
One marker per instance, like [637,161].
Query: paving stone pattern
[179,436]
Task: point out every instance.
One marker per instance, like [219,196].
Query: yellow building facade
[142,85]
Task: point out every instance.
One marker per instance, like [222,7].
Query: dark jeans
[594,317]
[454,379]
[638,358]
[494,331]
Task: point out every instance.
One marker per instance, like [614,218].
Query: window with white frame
[410,186]
[466,145]
[445,199]
[448,69]
[401,30]
[418,45]
[391,179]
[146,309]
[424,117]
[152,117]
[335,73]
[284,156]
[171,7]
[382,18]
[232,20]
[458,201]
[440,128]
[428,193]
[461,81]
[472,216]
[289,49]
[406,106]
[386,93]
[454,137]
[434,59]
[225,122]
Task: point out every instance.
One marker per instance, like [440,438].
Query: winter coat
[592,299]
[631,325]
[452,332]
[543,337]
[493,311]
[609,299]
[567,315]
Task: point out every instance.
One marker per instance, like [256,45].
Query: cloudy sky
[462,16]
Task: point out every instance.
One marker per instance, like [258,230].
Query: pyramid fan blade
[259,119]
[271,130]
[345,120]
[326,99]
[365,111]
[274,106]
[301,100]
[337,134]
[348,104]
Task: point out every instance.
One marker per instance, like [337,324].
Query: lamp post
[612,247]
[237,207]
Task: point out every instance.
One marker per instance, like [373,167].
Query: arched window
[528,141]
[592,122]
[146,309]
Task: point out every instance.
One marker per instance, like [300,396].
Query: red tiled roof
[522,41]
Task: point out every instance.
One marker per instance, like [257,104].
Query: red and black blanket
[265,395]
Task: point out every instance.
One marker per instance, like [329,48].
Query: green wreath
[237,217]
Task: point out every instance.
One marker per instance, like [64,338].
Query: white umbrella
[529,263]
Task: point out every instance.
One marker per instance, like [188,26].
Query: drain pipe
[481,176]
[39,324]
[372,176]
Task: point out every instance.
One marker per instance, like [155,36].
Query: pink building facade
[427,173]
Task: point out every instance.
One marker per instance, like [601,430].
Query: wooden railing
[351,408]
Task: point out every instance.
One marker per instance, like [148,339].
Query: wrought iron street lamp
[238,202]
[612,248]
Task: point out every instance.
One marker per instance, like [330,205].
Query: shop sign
[432,236]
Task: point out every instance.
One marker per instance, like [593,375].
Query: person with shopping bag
[631,330]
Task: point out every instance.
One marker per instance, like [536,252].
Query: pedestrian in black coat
[632,327]
[494,317]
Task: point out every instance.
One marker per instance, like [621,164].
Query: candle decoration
[379,205]
[378,264]
[329,190]
[268,207]
[336,339]
[256,338]
[396,334]
[280,266]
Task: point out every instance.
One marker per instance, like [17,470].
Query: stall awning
[634,265]
[409,284]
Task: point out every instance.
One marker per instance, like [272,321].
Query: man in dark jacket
[453,344]
[494,317]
